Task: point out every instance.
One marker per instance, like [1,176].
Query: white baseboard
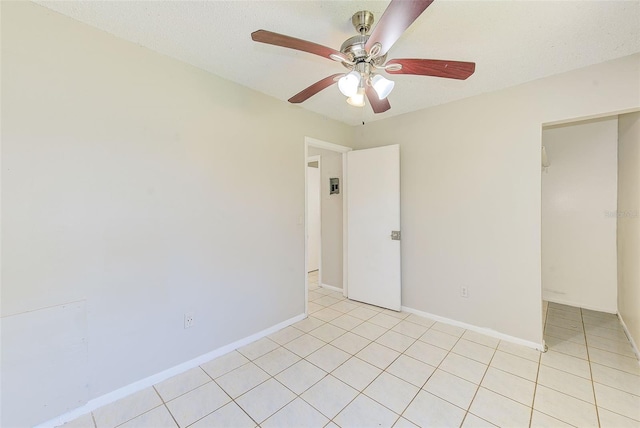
[633,343]
[481,330]
[578,305]
[331,287]
[125,391]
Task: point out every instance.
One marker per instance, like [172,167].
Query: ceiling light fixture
[362,65]
[357,100]
[382,86]
[352,84]
[349,83]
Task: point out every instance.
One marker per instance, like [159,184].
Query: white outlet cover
[189,320]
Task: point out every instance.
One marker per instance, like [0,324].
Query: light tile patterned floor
[354,365]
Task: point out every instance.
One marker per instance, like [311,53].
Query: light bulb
[382,86]
[357,99]
[348,84]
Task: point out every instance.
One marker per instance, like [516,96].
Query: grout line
[593,387]
[140,414]
[535,384]
[146,411]
[171,414]
[361,391]
[233,400]
[434,371]
[164,403]
[594,403]
[480,383]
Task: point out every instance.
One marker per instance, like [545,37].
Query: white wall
[629,223]
[330,166]
[470,198]
[579,200]
[130,184]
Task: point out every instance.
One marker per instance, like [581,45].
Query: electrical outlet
[188,320]
[464,291]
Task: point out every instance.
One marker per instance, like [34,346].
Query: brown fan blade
[378,105]
[399,15]
[434,67]
[307,93]
[271,38]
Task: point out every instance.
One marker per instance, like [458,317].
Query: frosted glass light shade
[348,84]
[382,86]
[357,100]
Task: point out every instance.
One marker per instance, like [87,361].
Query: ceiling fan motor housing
[354,46]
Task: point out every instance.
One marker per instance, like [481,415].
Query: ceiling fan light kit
[356,100]
[348,84]
[382,85]
[365,54]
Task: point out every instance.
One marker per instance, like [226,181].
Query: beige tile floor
[354,365]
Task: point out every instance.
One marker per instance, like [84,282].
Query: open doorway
[590,210]
[360,253]
[579,188]
[325,215]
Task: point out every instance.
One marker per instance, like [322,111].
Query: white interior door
[313,217]
[373,212]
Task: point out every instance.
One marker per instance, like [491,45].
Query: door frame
[313,142]
[318,159]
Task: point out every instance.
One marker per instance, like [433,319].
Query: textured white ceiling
[511,42]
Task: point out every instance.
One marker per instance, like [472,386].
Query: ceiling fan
[365,55]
